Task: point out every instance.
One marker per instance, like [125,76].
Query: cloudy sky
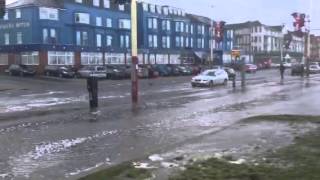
[270,12]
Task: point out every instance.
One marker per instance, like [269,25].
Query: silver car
[92,71]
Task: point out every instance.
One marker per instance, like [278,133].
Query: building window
[200,43]
[85,38]
[82,38]
[179,26]
[98,21]
[124,41]
[153,41]
[4,59]
[113,58]
[165,10]
[91,58]
[60,58]
[6,16]
[179,41]
[166,25]
[99,40]
[18,13]
[78,1]
[121,7]
[109,40]
[48,13]
[152,23]
[152,8]
[124,23]
[19,37]
[82,18]
[45,35]
[53,35]
[109,22]
[187,42]
[187,28]
[6,38]
[191,42]
[96,3]
[78,38]
[166,42]
[191,28]
[159,9]
[145,7]
[49,36]
[30,58]
[106,3]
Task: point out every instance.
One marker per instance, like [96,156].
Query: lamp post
[134,52]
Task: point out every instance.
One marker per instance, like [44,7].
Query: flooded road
[47,132]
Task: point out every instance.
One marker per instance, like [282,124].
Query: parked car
[143,71]
[60,71]
[153,73]
[297,69]
[251,68]
[115,72]
[21,70]
[314,69]
[231,72]
[210,78]
[173,70]
[161,69]
[92,71]
[184,71]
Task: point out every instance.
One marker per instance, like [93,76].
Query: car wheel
[211,84]
[225,82]
[21,74]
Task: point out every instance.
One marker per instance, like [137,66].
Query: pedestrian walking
[282,70]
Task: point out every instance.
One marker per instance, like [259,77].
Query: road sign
[235,53]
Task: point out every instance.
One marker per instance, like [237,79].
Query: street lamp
[134,48]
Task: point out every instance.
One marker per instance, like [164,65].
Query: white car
[314,69]
[210,78]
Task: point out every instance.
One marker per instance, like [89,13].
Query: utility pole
[134,52]
[212,43]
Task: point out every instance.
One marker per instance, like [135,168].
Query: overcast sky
[270,12]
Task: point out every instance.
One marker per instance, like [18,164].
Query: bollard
[92,86]
[234,81]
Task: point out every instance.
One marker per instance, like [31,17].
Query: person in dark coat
[282,70]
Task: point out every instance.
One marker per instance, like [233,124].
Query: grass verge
[299,161]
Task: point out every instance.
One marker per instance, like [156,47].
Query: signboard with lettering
[15,25]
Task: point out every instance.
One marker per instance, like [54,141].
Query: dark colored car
[60,71]
[173,70]
[21,70]
[185,71]
[231,72]
[297,69]
[116,72]
[143,71]
[161,69]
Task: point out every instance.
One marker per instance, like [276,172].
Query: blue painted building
[91,32]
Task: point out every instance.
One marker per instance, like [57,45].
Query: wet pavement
[47,132]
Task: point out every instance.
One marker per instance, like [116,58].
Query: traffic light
[287,40]
[2,8]
[299,23]
[219,30]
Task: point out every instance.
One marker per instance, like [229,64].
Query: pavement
[47,131]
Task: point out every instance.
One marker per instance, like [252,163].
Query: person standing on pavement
[282,70]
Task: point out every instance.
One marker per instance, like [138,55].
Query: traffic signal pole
[134,52]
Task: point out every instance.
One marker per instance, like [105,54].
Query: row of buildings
[91,32]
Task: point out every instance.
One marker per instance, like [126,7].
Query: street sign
[235,53]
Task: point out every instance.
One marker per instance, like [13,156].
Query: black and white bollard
[92,86]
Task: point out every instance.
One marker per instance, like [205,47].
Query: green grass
[299,161]
[286,118]
[124,171]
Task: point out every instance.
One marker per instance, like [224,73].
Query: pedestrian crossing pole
[134,52]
